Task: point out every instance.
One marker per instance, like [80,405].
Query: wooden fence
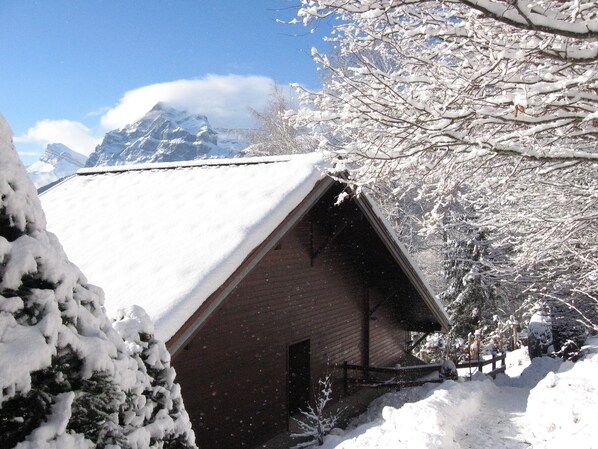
[410,376]
[406,376]
[480,364]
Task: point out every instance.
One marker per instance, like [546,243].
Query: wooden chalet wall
[233,373]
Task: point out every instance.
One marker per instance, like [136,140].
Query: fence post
[345,379]
[494,358]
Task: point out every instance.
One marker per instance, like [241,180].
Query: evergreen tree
[158,415]
[472,297]
[67,379]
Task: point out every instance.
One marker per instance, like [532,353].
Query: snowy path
[541,405]
[498,422]
[480,414]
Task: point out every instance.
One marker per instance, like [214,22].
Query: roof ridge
[216,162]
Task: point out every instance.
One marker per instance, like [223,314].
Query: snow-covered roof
[209,216]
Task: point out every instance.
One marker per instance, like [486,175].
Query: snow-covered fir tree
[67,378]
[472,296]
[158,413]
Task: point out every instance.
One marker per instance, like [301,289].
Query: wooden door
[299,378]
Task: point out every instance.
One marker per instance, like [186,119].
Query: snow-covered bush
[433,348]
[67,379]
[567,325]
[440,346]
[555,326]
[448,370]
[316,424]
[540,334]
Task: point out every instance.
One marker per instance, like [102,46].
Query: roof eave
[370,209]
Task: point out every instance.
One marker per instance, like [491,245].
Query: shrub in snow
[569,351]
[570,320]
[67,379]
[315,425]
[448,370]
[566,325]
[539,334]
[438,347]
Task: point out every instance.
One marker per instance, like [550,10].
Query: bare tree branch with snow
[488,103]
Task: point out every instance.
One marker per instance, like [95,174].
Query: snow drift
[545,404]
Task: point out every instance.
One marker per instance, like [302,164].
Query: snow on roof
[166,236]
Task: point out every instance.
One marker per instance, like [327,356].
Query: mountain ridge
[164,134]
[57,162]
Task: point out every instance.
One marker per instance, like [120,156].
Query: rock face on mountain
[57,162]
[164,134]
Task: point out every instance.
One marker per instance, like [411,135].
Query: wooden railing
[480,364]
[406,376]
[411,376]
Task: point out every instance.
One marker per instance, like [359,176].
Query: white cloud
[224,99]
[74,135]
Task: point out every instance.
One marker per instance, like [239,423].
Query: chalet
[257,280]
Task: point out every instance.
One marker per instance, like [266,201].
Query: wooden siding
[386,337]
[233,372]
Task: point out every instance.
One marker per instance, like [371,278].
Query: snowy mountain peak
[57,162]
[57,153]
[177,119]
[164,134]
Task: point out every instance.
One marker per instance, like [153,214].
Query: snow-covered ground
[543,404]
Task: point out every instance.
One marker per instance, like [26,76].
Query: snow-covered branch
[491,105]
[564,18]
[570,18]
[315,424]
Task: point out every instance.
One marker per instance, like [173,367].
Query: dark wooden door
[299,378]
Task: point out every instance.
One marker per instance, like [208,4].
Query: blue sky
[71,70]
